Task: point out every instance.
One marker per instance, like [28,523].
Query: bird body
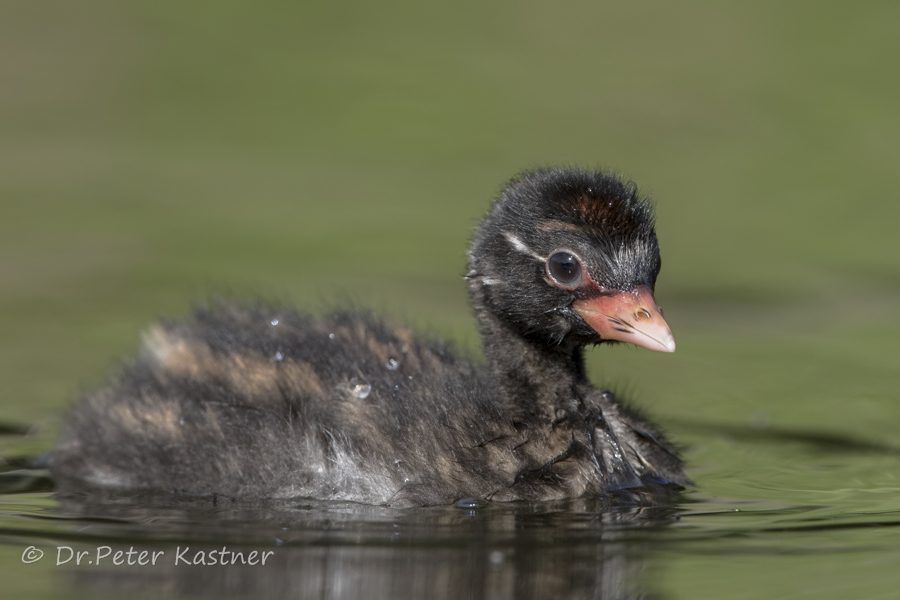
[261,401]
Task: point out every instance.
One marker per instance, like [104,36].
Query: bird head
[570,256]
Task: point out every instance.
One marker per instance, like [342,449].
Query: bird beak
[631,316]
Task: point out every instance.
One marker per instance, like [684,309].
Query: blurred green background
[153,152]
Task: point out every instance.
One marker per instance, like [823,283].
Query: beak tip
[663,343]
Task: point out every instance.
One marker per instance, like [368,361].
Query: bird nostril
[641,314]
[661,313]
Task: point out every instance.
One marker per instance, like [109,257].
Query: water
[701,546]
[344,550]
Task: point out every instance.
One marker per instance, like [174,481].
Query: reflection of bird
[263,401]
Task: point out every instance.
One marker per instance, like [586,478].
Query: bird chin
[630,316]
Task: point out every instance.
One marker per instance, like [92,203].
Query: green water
[153,152]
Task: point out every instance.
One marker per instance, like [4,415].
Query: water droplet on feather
[361,390]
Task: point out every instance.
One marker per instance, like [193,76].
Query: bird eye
[564,269]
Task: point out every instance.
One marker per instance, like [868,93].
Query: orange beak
[631,316]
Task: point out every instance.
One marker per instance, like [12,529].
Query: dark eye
[564,269]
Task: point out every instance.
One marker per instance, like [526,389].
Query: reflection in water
[575,549]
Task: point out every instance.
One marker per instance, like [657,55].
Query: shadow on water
[816,441]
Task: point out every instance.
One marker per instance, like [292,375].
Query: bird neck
[534,380]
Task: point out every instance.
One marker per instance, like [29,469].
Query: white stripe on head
[520,246]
